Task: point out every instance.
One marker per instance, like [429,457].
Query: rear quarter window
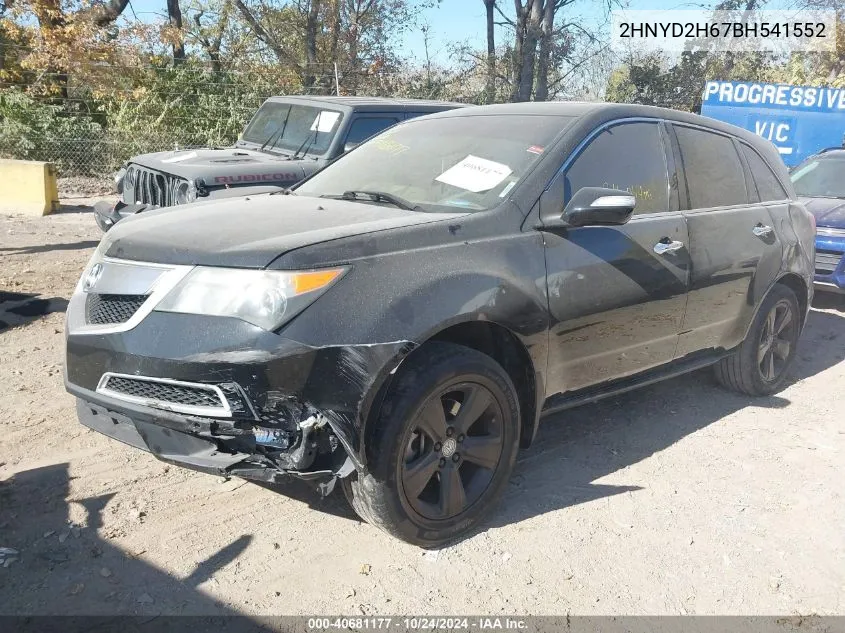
[364,127]
[715,177]
[768,185]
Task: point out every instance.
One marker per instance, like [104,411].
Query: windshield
[289,127]
[440,164]
[820,178]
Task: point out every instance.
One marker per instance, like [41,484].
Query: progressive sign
[799,120]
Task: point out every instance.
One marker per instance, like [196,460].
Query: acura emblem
[92,277]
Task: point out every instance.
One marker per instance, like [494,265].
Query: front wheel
[758,366]
[443,448]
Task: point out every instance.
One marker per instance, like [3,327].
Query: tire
[421,487]
[748,369]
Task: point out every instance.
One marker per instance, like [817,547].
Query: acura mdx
[399,322]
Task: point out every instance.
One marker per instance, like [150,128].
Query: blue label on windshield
[460,203]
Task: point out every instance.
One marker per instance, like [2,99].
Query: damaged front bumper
[107,214]
[216,447]
[221,396]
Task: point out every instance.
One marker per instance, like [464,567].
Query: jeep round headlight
[127,185]
[118,180]
[186,192]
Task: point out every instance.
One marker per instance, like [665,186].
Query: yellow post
[28,186]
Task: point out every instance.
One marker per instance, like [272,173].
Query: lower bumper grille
[827,262]
[109,309]
[172,395]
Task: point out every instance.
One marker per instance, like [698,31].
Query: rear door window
[715,177]
[628,156]
[767,183]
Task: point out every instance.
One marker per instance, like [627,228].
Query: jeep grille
[148,186]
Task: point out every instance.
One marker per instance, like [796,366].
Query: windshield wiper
[375,196]
[310,141]
[276,134]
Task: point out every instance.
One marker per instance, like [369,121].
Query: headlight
[128,184]
[186,192]
[266,298]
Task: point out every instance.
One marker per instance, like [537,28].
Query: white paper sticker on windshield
[475,174]
[325,121]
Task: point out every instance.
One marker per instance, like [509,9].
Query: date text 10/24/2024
[417,623]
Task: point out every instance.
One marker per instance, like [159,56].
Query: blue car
[820,182]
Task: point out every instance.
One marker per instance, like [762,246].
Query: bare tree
[490,86]
[541,43]
[311,24]
[283,55]
[105,14]
[210,36]
[309,37]
[174,16]
[547,28]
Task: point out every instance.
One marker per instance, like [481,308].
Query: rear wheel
[758,366]
[443,448]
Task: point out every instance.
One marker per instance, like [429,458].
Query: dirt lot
[680,498]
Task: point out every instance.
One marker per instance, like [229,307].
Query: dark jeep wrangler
[288,139]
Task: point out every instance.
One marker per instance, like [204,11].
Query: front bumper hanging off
[107,214]
[295,412]
[220,447]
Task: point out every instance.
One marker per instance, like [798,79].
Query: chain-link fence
[85,166]
[95,157]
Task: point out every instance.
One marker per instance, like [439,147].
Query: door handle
[761,230]
[667,246]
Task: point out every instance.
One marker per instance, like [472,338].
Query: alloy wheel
[776,340]
[453,451]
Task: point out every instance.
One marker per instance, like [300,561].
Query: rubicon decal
[230,180]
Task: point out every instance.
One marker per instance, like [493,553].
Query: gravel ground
[76,189]
[680,498]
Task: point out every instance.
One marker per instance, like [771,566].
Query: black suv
[404,318]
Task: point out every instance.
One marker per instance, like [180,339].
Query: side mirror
[349,147]
[597,206]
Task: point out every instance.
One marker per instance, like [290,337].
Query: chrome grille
[148,186]
[163,393]
[827,261]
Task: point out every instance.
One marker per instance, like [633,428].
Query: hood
[828,212]
[229,166]
[250,232]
